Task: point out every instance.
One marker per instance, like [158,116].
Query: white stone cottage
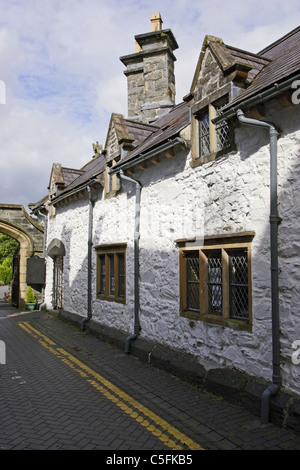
[184,229]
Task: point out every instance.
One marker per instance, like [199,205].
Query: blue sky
[59,60]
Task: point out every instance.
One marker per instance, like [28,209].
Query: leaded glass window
[238,271]
[215,281]
[223,132]
[214,138]
[193,281]
[204,135]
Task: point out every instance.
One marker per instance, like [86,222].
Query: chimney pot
[156,22]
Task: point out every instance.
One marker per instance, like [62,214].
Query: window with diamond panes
[223,132]
[204,135]
[213,138]
[238,282]
[192,265]
[215,283]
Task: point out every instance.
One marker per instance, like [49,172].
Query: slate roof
[69,174]
[139,131]
[92,169]
[284,62]
[273,64]
[167,127]
[146,137]
[255,61]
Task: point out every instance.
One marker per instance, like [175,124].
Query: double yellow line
[170,436]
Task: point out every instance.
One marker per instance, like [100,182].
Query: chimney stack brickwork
[150,73]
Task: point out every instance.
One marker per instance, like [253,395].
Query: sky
[61,77]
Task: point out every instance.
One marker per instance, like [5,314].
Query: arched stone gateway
[16,222]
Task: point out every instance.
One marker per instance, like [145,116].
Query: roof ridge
[253,54]
[133,121]
[278,41]
[72,169]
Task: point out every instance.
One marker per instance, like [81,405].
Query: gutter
[151,153]
[137,327]
[248,103]
[274,222]
[74,191]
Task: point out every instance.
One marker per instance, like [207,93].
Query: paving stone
[58,409]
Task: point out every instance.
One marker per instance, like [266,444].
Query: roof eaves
[141,157]
[260,97]
[71,192]
[154,142]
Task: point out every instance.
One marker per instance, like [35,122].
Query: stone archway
[15,222]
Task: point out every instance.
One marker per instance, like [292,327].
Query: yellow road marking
[128,404]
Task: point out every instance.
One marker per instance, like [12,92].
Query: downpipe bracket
[275,219]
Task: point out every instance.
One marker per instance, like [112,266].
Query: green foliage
[30,297]
[6,271]
[8,247]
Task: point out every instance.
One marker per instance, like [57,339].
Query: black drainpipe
[274,222]
[90,244]
[136,330]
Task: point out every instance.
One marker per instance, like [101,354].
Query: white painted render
[229,195]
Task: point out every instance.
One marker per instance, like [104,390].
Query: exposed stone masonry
[150,74]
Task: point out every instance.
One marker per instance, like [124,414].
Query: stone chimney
[150,73]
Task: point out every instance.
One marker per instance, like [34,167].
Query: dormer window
[223,131]
[204,134]
[214,140]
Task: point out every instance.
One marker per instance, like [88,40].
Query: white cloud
[60,63]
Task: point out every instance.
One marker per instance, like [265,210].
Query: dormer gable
[118,138]
[117,142]
[218,71]
[60,178]
[56,181]
[222,69]
[221,74]
[124,136]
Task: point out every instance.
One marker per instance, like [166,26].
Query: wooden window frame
[226,245]
[211,110]
[108,256]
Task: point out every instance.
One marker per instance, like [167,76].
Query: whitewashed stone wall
[70,225]
[225,196]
